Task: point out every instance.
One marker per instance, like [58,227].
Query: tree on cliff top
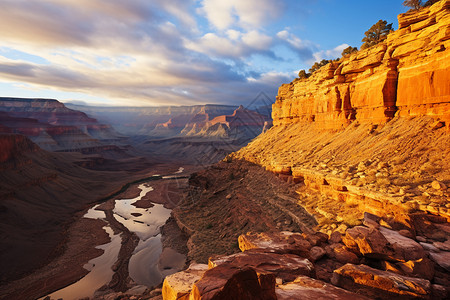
[349,50]
[416,4]
[317,65]
[377,33]
[302,74]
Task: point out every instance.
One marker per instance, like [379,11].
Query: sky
[173,52]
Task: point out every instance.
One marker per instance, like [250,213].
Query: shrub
[377,33]
[349,50]
[317,65]
[303,75]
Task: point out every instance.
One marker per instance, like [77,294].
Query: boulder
[178,286]
[429,247]
[442,259]
[422,268]
[380,284]
[367,241]
[343,255]
[335,237]
[308,288]
[444,246]
[284,266]
[280,242]
[403,248]
[383,244]
[325,268]
[226,282]
[316,253]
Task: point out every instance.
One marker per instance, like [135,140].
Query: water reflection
[100,271]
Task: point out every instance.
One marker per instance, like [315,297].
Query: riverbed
[149,262]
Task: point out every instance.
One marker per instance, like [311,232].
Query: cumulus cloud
[245,14]
[303,48]
[330,53]
[149,52]
[233,44]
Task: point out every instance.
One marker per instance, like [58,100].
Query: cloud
[303,48]
[331,53]
[147,52]
[249,14]
[234,44]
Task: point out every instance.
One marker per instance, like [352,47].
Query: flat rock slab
[307,288]
[178,286]
[226,282]
[284,266]
[442,259]
[281,242]
[380,284]
[404,248]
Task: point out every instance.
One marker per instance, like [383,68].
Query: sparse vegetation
[317,65]
[416,4]
[303,75]
[349,50]
[376,34]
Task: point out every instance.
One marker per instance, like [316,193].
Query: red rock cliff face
[13,145]
[406,75]
[44,110]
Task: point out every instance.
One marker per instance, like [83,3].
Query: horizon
[176,53]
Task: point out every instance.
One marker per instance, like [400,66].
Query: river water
[145,267]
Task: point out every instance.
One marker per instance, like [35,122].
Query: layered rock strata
[408,74]
[366,263]
[53,126]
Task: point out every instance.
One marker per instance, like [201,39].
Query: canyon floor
[76,237]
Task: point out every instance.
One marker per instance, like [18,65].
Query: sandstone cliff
[358,162]
[407,75]
[387,168]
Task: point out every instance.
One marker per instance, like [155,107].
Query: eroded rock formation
[375,187]
[406,75]
[52,125]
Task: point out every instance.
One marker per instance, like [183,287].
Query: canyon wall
[53,126]
[408,74]
[358,162]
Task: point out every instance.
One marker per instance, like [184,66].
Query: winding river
[145,267]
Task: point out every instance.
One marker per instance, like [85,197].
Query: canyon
[344,197]
[57,162]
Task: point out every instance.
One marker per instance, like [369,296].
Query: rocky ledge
[366,262]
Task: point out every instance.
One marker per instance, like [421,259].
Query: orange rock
[422,268]
[178,286]
[283,242]
[367,241]
[380,284]
[403,248]
[229,282]
[409,72]
[308,288]
[284,266]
